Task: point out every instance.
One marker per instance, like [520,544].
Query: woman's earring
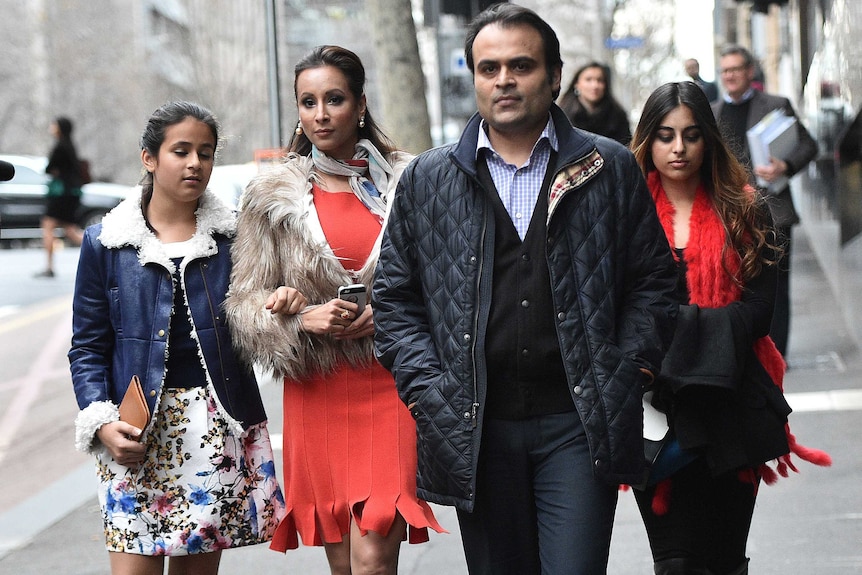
[362,121]
[298,129]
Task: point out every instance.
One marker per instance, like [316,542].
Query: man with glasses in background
[742,107]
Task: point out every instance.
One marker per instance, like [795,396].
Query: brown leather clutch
[134,408]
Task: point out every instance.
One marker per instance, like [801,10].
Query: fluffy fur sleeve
[271,341]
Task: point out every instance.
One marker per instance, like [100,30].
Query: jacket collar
[573,144]
[125,226]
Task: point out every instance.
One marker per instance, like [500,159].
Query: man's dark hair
[507,15]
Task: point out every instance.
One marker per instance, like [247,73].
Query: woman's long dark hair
[351,66]
[163,118]
[725,179]
[570,102]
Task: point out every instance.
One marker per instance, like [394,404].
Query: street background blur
[107,64]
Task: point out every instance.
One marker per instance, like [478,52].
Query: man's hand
[775,169]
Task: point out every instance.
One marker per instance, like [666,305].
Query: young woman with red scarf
[721,382]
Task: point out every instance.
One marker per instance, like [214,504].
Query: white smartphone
[354,293]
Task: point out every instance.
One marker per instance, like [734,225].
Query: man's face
[513,91]
[736,77]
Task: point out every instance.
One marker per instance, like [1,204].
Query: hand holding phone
[354,293]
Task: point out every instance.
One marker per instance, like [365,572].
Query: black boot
[679,566]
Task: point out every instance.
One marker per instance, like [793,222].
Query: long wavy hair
[351,66]
[742,212]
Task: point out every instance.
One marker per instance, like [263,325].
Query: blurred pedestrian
[313,224]
[692,70]
[152,278]
[721,382]
[64,192]
[589,104]
[744,106]
[524,296]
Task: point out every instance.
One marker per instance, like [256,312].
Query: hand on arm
[285,300]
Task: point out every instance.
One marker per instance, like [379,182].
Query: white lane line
[17,411]
[6,310]
[832,400]
[19,525]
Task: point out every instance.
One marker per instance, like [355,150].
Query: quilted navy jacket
[612,277]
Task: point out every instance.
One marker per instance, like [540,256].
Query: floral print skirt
[200,488]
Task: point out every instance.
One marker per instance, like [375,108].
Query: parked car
[228,181]
[22,199]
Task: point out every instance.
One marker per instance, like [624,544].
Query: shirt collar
[548,134]
[749,94]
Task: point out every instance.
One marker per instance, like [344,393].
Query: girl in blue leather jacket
[199,476]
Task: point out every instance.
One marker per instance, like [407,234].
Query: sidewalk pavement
[808,523]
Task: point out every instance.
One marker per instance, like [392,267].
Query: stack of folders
[775,136]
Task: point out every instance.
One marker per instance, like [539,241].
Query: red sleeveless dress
[349,441]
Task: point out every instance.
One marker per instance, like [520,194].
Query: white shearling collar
[125,226]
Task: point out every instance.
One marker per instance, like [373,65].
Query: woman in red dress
[307,227]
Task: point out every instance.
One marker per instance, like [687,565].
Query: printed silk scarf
[367,160]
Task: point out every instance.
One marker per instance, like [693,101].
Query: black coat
[612,279]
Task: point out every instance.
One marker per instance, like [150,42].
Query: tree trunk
[404,111]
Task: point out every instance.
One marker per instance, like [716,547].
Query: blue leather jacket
[122,308]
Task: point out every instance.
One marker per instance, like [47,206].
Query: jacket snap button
[466,337]
[466,415]
[152,393]
[161,333]
[561,316]
[578,390]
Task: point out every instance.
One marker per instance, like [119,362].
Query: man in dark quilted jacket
[523,298]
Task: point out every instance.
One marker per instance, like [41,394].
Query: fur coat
[280,242]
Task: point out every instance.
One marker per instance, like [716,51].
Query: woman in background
[590,106]
[64,192]
[312,225]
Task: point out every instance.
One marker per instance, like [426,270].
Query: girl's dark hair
[163,118]
[507,15]
[725,179]
[351,66]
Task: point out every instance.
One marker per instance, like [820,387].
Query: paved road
[810,523]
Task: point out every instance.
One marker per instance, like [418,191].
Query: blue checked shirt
[519,187]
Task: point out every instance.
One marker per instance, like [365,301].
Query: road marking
[8,310]
[34,313]
[22,523]
[41,368]
[832,400]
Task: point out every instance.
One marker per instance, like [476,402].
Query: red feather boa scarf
[710,286]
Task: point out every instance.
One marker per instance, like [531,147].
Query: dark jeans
[538,507]
[708,520]
[780,329]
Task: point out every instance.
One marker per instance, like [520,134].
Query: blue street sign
[624,43]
